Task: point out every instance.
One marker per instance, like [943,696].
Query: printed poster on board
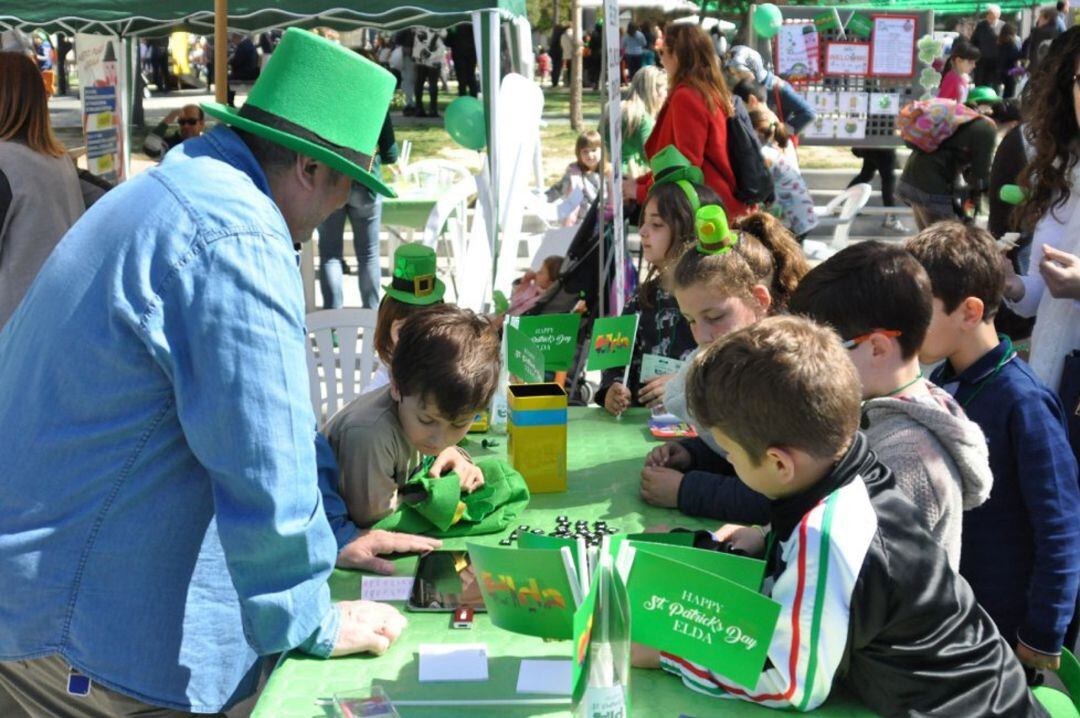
[798,51]
[98,60]
[893,45]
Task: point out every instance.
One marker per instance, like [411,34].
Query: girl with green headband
[667,230]
[734,277]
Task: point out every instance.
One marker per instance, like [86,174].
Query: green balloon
[465,122]
[1012,194]
[767,20]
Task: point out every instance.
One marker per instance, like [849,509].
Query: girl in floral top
[792,195]
[667,228]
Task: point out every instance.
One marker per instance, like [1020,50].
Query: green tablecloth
[408,212]
[605,458]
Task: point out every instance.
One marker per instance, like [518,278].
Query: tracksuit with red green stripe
[868,600]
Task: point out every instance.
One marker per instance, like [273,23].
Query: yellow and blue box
[537,428]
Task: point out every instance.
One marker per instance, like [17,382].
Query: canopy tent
[130,18]
[138,17]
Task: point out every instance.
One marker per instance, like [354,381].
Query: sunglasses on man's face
[187,121]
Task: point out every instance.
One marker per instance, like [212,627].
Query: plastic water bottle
[499,405]
[607,686]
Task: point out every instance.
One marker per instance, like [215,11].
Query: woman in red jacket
[694,118]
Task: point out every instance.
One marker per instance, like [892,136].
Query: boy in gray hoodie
[878,298]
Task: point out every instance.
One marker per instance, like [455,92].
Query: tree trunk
[576,120]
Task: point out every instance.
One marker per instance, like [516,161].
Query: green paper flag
[698,615]
[525,591]
[825,21]
[747,572]
[524,359]
[860,25]
[555,335]
[582,627]
[612,343]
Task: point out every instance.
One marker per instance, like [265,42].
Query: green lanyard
[896,391]
[1005,359]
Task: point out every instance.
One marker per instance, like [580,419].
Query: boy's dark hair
[962,261]
[870,285]
[744,89]
[784,381]
[449,356]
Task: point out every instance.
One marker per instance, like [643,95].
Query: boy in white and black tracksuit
[867,596]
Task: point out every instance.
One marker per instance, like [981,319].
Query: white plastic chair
[337,375]
[842,210]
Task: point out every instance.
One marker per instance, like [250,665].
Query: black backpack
[753,183]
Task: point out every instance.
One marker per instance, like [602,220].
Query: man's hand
[1061,271]
[660,486]
[172,117]
[652,394]
[450,460]
[748,539]
[1038,661]
[617,399]
[672,455]
[363,552]
[367,627]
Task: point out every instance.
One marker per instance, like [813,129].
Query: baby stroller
[580,280]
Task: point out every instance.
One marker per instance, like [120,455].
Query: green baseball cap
[414,280]
[321,100]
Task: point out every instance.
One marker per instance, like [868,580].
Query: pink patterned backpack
[925,124]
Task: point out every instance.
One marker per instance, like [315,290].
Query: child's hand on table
[660,486]
[617,399]
[673,455]
[363,552]
[749,539]
[652,393]
[1038,661]
[451,459]
[367,627]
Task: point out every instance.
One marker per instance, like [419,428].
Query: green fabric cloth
[935,172]
[490,508]
[604,459]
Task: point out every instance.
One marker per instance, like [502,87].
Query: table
[604,457]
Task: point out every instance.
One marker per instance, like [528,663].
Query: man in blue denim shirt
[162,526]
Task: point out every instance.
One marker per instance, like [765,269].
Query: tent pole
[221,51]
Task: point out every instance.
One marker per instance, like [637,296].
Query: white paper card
[821,128]
[551,677]
[654,365]
[453,662]
[884,103]
[386,588]
[853,102]
[822,101]
[851,128]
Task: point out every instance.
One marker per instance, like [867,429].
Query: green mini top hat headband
[414,280]
[714,235]
[669,166]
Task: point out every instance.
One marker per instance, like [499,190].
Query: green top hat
[983,96]
[414,280]
[670,165]
[321,100]
[714,236]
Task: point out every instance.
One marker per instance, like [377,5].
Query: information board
[892,46]
[847,58]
